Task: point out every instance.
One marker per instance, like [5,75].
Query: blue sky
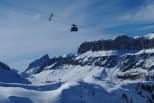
[26,33]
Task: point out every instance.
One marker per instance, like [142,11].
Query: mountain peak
[37,65]
[4,66]
[8,75]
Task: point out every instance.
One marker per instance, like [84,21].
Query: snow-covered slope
[95,76]
[101,75]
[9,75]
[150,36]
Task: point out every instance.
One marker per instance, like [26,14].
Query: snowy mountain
[37,65]
[120,70]
[9,75]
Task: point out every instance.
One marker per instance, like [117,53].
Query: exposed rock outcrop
[119,43]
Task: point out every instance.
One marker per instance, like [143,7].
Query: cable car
[74,28]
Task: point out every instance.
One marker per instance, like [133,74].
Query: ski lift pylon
[50,17]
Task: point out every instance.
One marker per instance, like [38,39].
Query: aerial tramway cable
[52,18]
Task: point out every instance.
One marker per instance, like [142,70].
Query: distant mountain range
[119,70]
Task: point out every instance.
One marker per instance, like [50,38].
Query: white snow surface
[150,36]
[77,84]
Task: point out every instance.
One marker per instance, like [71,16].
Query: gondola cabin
[74,28]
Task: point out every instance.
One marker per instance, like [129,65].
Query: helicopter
[73,28]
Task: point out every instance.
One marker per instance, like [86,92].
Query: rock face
[120,43]
[123,53]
